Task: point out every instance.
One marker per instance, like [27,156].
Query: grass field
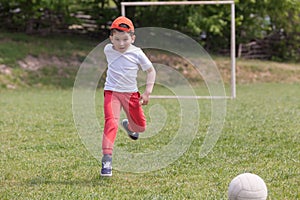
[42,156]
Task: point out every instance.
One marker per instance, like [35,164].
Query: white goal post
[232,40]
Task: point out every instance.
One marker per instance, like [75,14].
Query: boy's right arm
[151,74]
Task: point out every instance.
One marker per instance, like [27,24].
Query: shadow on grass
[98,180]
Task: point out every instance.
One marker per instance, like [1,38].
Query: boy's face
[121,40]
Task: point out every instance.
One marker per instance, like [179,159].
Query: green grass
[16,46]
[42,156]
[70,50]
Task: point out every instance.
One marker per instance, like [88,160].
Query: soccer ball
[247,186]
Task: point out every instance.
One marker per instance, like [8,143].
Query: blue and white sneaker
[106,165]
[132,135]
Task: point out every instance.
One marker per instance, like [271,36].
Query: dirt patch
[247,71]
[251,71]
[33,63]
[5,70]
[53,70]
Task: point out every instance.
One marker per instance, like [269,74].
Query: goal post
[232,39]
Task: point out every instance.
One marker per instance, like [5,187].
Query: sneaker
[132,135]
[106,165]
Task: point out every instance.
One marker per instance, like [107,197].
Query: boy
[120,89]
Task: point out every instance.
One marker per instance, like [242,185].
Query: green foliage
[26,15]
[255,19]
[281,17]
[49,16]
[284,18]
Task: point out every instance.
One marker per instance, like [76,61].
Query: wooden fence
[260,48]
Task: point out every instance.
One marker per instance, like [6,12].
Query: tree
[209,24]
[31,15]
[285,20]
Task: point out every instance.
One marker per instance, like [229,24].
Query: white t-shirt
[123,68]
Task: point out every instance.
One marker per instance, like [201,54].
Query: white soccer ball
[247,186]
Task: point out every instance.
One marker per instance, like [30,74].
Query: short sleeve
[107,48]
[144,61]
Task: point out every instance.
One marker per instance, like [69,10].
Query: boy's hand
[144,99]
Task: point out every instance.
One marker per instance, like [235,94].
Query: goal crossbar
[153,3]
[232,39]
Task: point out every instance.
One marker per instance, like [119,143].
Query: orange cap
[120,24]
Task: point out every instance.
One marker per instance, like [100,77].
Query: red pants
[113,103]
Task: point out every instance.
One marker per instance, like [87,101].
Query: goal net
[232,46]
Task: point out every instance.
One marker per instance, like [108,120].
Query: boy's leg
[134,112]
[112,109]
[132,135]
[106,169]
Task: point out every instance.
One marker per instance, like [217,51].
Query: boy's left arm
[151,74]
